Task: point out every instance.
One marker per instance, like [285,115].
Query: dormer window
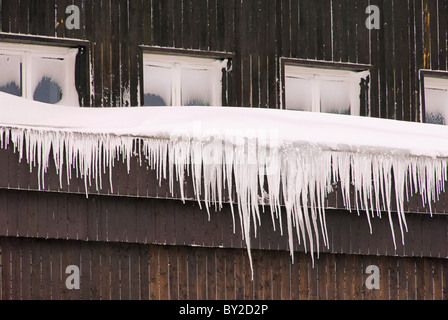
[41,73]
[323,89]
[436,97]
[175,80]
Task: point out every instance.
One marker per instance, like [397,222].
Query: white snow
[300,155]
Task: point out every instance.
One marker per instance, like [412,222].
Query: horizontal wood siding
[35,269]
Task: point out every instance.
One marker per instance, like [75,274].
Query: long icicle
[297,176]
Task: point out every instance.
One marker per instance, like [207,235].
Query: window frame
[222,61]
[426,73]
[332,70]
[81,67]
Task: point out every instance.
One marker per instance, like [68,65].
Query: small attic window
[323,89]
[436,98]
[41,73]
[178,80]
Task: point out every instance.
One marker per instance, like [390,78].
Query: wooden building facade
[139,241]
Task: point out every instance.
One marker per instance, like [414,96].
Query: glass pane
[197,87]
[436,105]
[335,96]
[151,99]
[11,74]
[48,79]
[298,94]
[157,88]
[47,91]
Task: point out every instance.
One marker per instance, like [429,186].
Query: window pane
[335,96]
[298,94]
[48,76]
[151,99]
[47,91]
[197,87]
[436,105]
[157,90]
[11,74]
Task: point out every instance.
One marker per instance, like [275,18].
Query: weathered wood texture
[412,36]
[149,244]
[157,221]
[35,269]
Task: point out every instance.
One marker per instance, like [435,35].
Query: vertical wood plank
[34,257]
[28,269]
[145,282]
[46,270]
[115,272]
[230,274]
[240,271]
[211,275]
[125,270]
[153,272]
[12,213]
[3,212]
[277,272]
[331,276]
[84,270]
[173,279]
[163,274]
[22,212]
[95,272]
[192,274]
[135,272]
[105,252]
[6,269]
[402,280]
[56,276]
[202,273]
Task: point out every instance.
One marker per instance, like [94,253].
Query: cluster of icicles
[298,177]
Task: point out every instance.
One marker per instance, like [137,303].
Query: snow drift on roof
[298,155]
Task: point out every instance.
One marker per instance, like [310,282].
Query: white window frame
[177,62]
[316,74]
[29,51]
[435,81]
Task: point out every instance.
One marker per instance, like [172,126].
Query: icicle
[243,163]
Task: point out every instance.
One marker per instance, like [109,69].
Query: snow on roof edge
[299,154]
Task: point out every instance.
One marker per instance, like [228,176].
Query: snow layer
[298,155]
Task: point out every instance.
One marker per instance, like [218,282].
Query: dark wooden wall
[412,36]
[170,222]
[35,269]
[160,258]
